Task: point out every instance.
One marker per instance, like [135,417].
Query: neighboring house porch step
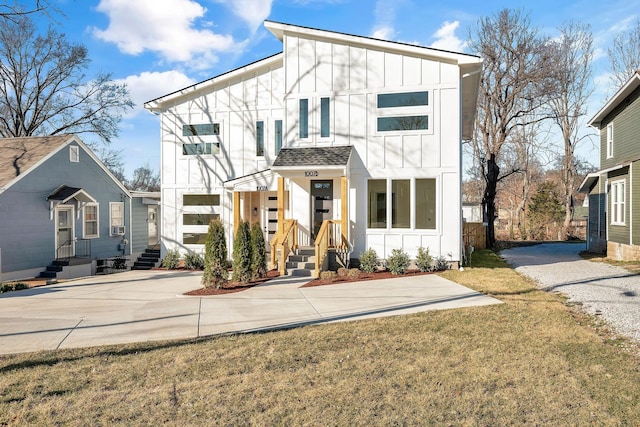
[147,260]
[52,271]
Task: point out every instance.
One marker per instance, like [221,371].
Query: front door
[270,218]
[321,204]
[65,247]
[152,224]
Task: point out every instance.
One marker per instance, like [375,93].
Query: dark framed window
[405,99]
[387,124]
[304,118]
[200,148]
[198,219]
[278,135]
[194,238]
[201,200]
[260,138]
[325,117]
[425,209]
[377,195]
[201,129]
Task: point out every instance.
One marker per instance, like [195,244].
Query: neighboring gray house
[145,229]
[58,202]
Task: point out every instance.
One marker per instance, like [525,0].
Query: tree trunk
[489,199]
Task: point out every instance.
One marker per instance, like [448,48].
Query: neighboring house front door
[65,245]
[152,225]
[321,204]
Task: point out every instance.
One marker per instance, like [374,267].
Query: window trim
[85,235]
[111,217]
[423,112]
[303,124]
[610,140]
[618,207]
[277,131]
[74,154]
[260,132]
[325,114]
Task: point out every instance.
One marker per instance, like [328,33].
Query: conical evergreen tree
[242,254]
[258,252]
[215,256]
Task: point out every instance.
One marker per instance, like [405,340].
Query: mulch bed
[232,287]
[364,277]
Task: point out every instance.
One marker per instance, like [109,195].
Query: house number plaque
[261,188]
[310,173]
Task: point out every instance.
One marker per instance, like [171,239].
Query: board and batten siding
[626,132]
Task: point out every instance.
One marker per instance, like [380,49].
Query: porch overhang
[259,181]
[65,193]
[588,182]
[313,162]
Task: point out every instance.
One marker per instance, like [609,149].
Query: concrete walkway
[138,306]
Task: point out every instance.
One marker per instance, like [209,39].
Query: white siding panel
[340,67]
[342,121]
[449,73]
[277,86]
[430,72]
[358,121]
[324,70]
[392,70]
[292,82]
[264,89]
[411,71]
[391,241]
[222,98]
[392,151]
[236,144]
[449,127]
[357,68]
[291,122]
[307,65]
[451,216]
[430,151]
[250,91]
[196,171]
[375,69]
[410,244]
[375,153]
[411,146]
[376,242]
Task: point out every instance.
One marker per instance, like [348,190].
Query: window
[617,202]
[386,124]
[90,221]
[260,138]
[198,219]
[325,117]
[116,218]
[377,195]
[278,135]
[201,130]
[74,153]
[412,202]
[194,238]
[406,99]
[401,203]
[609,140]
[201,200]
[304,119]
[200,148]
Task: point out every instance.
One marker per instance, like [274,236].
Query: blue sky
[159,46]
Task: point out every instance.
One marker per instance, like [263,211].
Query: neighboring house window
[90,221]
[325,117]
[74,153]
[618,202]
[411,203]
[201,200]
[201,147]
[610,140]
[398,111]
[278,135]
[260,138]
[304,119]
[116,218]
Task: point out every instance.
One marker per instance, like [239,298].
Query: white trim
[97,220]
[610,139]
[618,210]
[74,154]
[111,224]
[57,225]
[632,84]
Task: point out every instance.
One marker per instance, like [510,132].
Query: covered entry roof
[63,194]
[313,156]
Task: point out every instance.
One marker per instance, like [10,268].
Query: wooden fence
[474,234]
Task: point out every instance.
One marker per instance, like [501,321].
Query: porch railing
[283,243]
[329,237]
[82,249]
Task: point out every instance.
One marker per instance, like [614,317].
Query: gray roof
[313,156]
[63,192]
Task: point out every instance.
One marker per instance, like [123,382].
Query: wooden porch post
[236,212]
[344,211]
[280,204]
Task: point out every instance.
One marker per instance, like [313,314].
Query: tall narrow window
[260,138]
[425,209]
[90,229]
[304,118]
[325,118]
[116,218]
[74,153]
[400,203]
[609,140]
[618,202]
[278,135]
[377,195]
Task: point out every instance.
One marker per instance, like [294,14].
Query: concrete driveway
[139,306]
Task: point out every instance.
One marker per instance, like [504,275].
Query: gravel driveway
[605,290]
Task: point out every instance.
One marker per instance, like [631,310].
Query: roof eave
[632,84]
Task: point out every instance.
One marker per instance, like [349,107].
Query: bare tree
[573,52]
[624,55]
[15,10]
[144,179]
[512,89]
[43,88]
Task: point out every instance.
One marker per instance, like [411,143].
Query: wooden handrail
[325,240]
[284,241]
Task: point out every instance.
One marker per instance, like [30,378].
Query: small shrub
[242,254]
[215,256]
[193,261]
[6,287]
[369,261]
[343,272]
[441,264]
[424,261]
[353,272]
[20,286]
[258,252]
[328,275]
[9,287]
[398,262]
[171,259]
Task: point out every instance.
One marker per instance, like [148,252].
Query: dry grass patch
[530,361]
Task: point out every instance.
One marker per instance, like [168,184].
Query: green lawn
[532,360]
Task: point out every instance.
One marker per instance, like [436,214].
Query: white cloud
[385,14]
[446,38]
[384,33]
[165,27]
[150,85]
[253,12]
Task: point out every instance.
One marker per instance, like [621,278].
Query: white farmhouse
[339,141]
